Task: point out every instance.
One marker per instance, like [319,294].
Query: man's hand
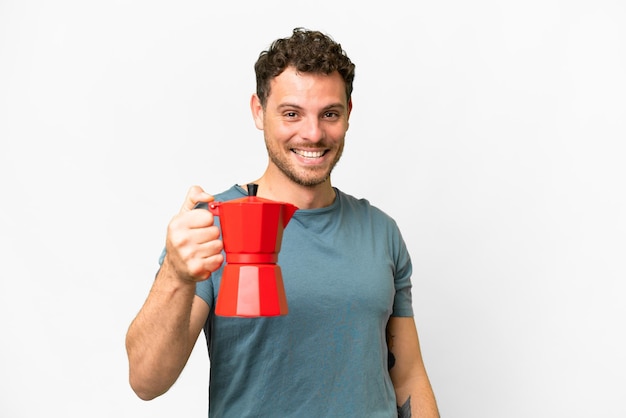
[193,247]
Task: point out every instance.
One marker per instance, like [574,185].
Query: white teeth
[309,154]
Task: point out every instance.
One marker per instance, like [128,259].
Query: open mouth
[309,154]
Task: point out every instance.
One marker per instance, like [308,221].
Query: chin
[311,181]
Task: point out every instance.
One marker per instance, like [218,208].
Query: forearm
[159,340]
[417,400]
[414,394]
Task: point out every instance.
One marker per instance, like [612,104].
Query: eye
[331,115]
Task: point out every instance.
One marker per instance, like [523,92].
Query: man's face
[304,122]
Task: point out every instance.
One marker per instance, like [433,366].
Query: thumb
[195,195]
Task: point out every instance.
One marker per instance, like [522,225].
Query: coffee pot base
[251,290]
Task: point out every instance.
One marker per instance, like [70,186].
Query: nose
[311,130]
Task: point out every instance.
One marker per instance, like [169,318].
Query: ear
[257,111]
[349,111]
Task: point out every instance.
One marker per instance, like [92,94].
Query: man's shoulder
[233,192]
[363,205]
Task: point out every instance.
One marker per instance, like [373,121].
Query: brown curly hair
[309,52]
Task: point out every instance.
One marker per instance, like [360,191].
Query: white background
[492,131]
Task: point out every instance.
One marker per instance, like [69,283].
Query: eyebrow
[325,108]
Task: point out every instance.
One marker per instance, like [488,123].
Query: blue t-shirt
[346,270]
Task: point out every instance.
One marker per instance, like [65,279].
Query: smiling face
[304,123]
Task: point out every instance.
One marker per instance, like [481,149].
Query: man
[349,345]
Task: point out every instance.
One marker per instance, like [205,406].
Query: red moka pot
[252,232]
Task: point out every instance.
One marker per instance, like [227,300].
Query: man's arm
[414,393]
[160,339]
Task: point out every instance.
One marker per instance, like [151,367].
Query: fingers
[193,219]
[196,269]
[194,252]
[194,196]
[193,246]
[183,235]
[204,262]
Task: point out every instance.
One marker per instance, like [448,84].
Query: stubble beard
[302,177]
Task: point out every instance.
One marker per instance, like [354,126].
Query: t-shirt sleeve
[204,289]
[403,300]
